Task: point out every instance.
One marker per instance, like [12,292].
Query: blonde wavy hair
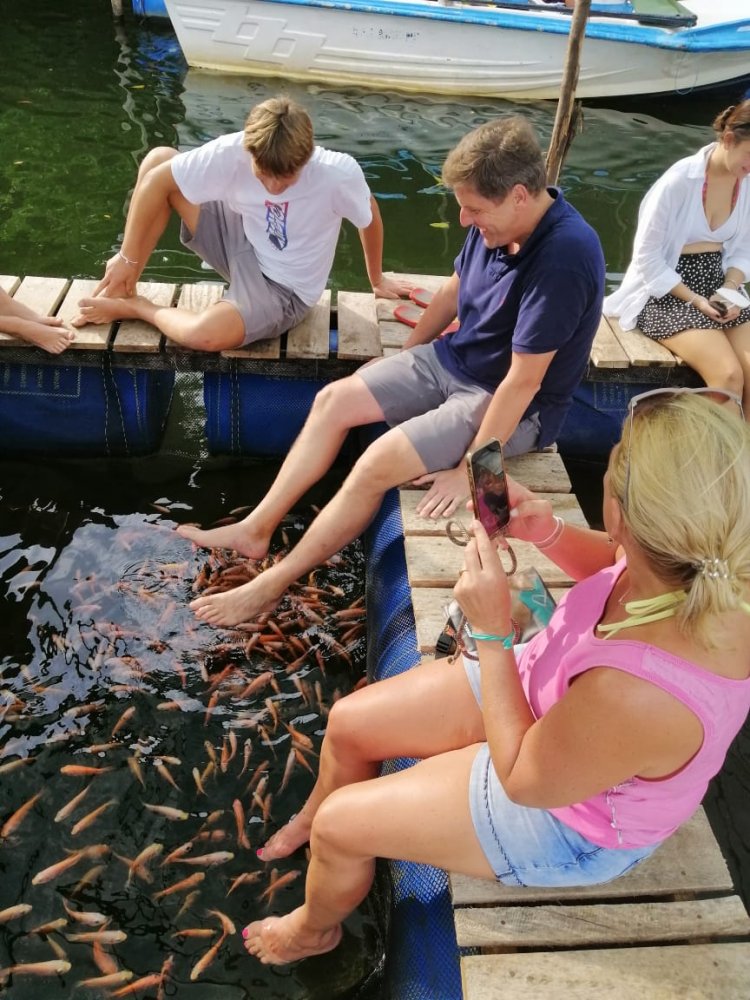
[688,503]
[279,136]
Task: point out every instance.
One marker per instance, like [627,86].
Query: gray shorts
[267,308]
[439,414]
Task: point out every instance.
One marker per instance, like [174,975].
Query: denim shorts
[531,847]
[439,413]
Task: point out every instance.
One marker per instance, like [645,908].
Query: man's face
[272,183]
[497,221]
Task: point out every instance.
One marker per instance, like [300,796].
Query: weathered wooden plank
[309,339]
[200,295]
[430,603]
[430,281]
[434,562]
[267,350]
[606,351]
[700,972]
[393,334]
[540,471]
[92,337]
[564,504]
[136,336]
[9,283]
[497,928]
[642,351]
[688,862]
[359,336]
[43,295]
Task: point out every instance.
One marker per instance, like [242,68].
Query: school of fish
[144,757]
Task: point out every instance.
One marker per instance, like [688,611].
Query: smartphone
[721,307]
[489,489]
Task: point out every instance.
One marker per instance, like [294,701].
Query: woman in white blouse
[691,257]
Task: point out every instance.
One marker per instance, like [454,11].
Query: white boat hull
[344,44]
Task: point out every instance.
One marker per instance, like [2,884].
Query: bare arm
[439,313]
[608,727]
[371,238]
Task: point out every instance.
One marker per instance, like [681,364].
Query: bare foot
[285,841]
[46,332]
[278,940]
[241,604]
[104,310]
[239,536]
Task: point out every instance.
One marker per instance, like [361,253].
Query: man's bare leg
[422,712]
[336,409]
[387,462]
[220,327]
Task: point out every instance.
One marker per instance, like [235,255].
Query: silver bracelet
[553,536]
[121,255]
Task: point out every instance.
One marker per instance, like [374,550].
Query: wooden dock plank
[393,335]
[93,336]
[607,351]
[136,336]
[698,972]
[540,471]
[267,350]
[435,562]
[9,283]
[310,338]
[359,336]
[503,928]
[688,862]
[642,351]
[43,295]
[564,504]
[429,281]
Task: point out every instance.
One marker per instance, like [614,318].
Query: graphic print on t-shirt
[276,223]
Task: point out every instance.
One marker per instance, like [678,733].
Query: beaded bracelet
[553,536]
[506,640]
[121,255]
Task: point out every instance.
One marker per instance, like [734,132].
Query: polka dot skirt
[703,274]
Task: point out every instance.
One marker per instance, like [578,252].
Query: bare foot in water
[105,310]
[46,332]
[285,841]
[239,536]
[241,604]
[278,940]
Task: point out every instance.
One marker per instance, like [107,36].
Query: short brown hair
[279,136]
[495,157]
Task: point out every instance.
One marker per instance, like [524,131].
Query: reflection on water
[144,757]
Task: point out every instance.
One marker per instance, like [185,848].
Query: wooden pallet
[366,327]
[671,929]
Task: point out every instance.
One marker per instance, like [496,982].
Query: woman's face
[737,155]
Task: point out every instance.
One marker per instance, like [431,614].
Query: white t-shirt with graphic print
[294,234]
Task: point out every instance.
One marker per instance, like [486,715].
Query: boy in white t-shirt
[264,208]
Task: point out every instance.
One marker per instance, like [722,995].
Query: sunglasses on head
[717,395]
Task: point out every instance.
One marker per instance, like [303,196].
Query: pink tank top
[635,813]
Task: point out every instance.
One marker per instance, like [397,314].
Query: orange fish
[144,983]
[91,817]
[186,883]
[15,820]
[82,770]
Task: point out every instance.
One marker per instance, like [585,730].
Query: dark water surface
[82,549]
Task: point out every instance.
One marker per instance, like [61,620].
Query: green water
[81,100]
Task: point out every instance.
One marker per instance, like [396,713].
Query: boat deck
[365,329]
[672,929]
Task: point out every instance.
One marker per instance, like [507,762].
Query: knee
[330,404]
[333,828]
[154,158]
[730,377]
[347,727]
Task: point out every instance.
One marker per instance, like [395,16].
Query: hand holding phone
[489,489]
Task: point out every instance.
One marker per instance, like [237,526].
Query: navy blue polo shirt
[547,297]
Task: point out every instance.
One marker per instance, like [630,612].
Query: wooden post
[564,127]
[116,8]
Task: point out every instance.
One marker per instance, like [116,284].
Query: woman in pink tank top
[567,762]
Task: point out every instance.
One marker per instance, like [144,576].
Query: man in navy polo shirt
[527,291]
